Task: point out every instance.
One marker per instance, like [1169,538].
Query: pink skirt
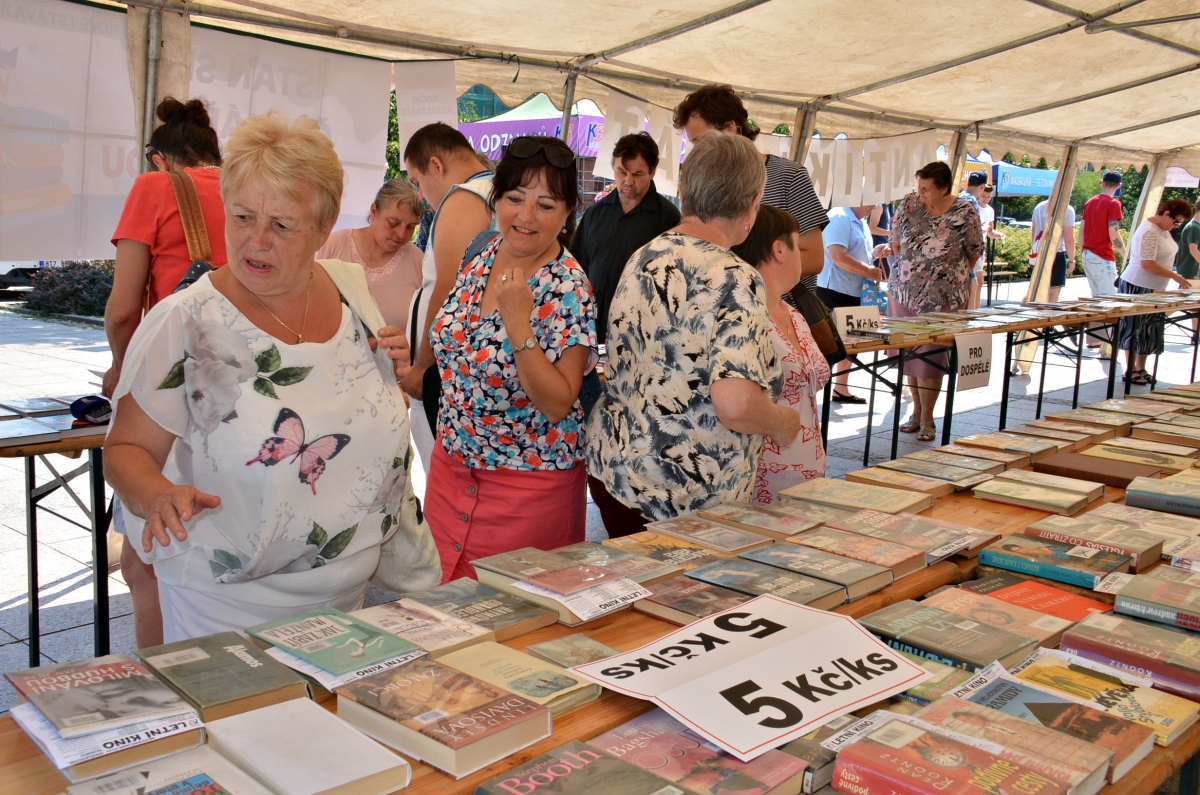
[474,513]
[919,368]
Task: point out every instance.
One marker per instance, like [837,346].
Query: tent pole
[1152,191]
[568,101]
[958,157]
[802,132]
[1060,198]
[153,51]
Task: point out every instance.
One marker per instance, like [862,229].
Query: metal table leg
[1189,776]
[951,383]
[1079,343]
[1004,387]
[899,395]
[1047,335]
[31,548]
[1114,338]
[825,413]
[100,520]
[870,410]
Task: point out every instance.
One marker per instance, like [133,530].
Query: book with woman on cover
[986,610]
[1066,563]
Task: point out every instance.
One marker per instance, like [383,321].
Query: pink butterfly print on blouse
[288,444]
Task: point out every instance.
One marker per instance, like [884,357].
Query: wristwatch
[527,345]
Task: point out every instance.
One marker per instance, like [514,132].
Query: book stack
[901,560]
[1009,459]
[1117,473]
[1179,493]
[1096,433]
[99,715]
[1090,490]
[943,466]
[1176,604]
[1032,490]
[945,637]
[1168,433]
[1075,439]
[25,421]
[857,496]
[939,539]
[1157,523]
[1137,407]
[1067,563]
[424,627]
[1121,424]
[1143,549]
[541,682]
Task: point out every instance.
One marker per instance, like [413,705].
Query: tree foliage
[73,287]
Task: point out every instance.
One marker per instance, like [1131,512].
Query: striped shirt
[790,188]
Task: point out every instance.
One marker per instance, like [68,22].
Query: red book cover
[901,758]
[1170,657]
[1036,596]
[570,579]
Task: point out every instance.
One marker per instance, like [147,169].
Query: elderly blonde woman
[384,248]
[258,440]
[692,376]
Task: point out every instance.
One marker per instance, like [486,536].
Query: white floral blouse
[686,314]
[305,445]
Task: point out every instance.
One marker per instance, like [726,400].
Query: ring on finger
[504,277]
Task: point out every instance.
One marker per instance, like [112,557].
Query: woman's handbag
[820,323]
[194,229]
[873,296]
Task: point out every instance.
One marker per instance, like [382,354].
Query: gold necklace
[303,321]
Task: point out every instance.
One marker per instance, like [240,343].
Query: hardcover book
[1038,498]
[1167,495]
[1173,574]
[757,520]
[1169,657]
[901,758]
[288,747]
[222,675]
[541,682]
[1146,519]
[639,568]
[330,640]
[716,537]
[448,718]
[946,679]
[1166,714]
[980,466]
[682,600]
[938,538]
[521,563]
[420,626]
[570,579]
[1075,440]
[473,602]
[756,579]
[808,511]
[1011,460]
[571,650]
[818,758]
[1134,443]
[931,469]
[665,549]
[1097,470]
[93,695]
[575,769]
[1120,423]
[986,610]
[1162,601]
[1066,563]
[1144,408]
[892,479]
[857,577]
[1068,760]
[945,637]
[840,494]
[1097,433]
[900,559]
[1166,463]
[1093,491]
[1143,549]
[199,771]
[1009,442]
[1129,742]
[662,745]
[1169,433]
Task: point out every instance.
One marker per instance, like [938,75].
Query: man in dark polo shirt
[613,228]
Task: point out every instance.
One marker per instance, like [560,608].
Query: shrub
[73,287]
[1013,253]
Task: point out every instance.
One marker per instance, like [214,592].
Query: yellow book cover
[1166,462]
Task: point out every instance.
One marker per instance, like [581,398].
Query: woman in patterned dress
[513,341]
[692,376]
[936,240]
[773,249]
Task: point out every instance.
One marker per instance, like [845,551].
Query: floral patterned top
[804,372]
[686,314]
[485,419]
[306,445]
[937,255]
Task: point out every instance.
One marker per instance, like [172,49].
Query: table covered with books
[1033,582]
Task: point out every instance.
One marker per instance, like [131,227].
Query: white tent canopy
[1122,79]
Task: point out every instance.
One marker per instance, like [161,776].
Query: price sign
[856,319]
[759,674]
[974,360]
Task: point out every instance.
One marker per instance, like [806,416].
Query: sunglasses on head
[558,154]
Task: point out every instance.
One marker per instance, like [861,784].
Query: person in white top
[1063,264]
[452,181]
[1151,258]
[987,220]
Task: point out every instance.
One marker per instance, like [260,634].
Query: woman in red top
[152,258]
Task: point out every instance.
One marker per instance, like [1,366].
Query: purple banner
[490,137]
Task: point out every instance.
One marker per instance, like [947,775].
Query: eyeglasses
[558,154]
[1179,221]
[150,153]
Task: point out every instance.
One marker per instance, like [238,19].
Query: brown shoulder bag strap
[192,216]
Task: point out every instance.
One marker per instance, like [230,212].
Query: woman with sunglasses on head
[1149,268]
[513,341]
[152,258]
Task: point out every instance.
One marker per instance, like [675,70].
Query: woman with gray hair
[385,250]
[692,376]
[259,445]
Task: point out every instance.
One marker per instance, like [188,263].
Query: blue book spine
[1156,612]
[1161,502]
[1000,560]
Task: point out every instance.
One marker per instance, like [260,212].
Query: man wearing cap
[1101,239]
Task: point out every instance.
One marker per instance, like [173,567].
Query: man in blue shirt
[847,241]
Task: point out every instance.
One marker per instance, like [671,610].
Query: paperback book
[639,568]
[1147,519]
[537,680]
[1173,574]
[1169,657]
[1134,443]
[1066,563]
[445,717]
[858,496]
[757,520]
[330,639]
[1120,423]
[665,548]
[520,563]
[946,679]
[97,694]
[420,626]
[900,559]
[857,577]
[1048,630]
[946,637]
[1144,408]
[682,600]
[475,603]
[1074,440]
[938,538]
[1143,549]
[755,579]
[716,537]
[807,511]
[1097,433]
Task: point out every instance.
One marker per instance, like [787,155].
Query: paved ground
[40,358]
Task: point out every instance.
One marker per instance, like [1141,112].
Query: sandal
[1140,378]
[838,397]
[911,426]
[928,433]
